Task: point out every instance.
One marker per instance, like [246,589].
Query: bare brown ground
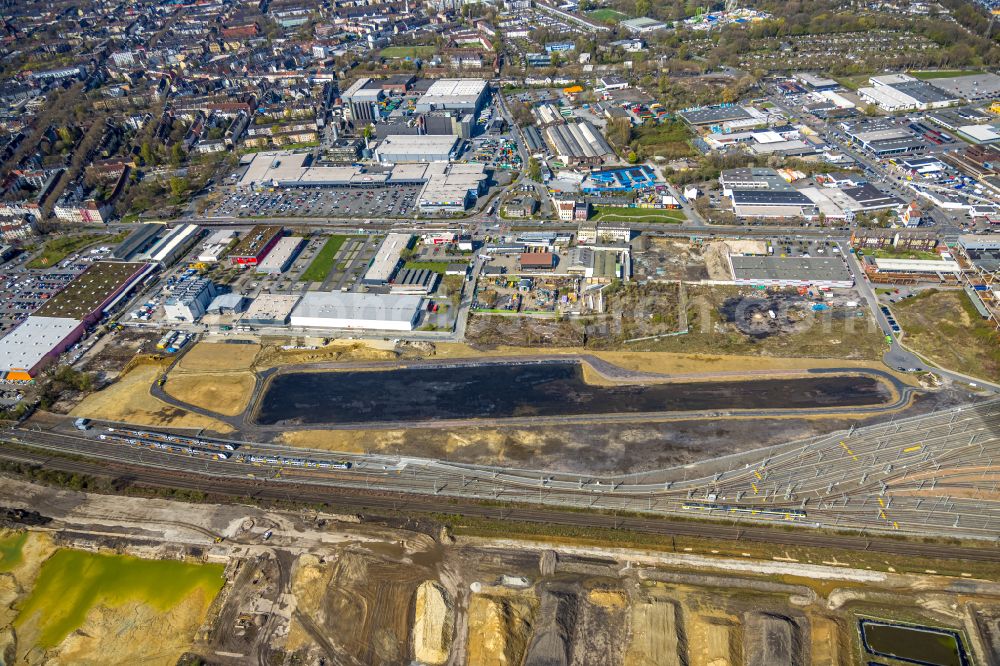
[499,629]
[672,363]
[217,356]
[129,400]
[17,582]
[714,641]
[133,634]
[336,350]
[227,393]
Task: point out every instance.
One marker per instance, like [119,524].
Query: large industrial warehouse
[416,148]
[448,187]
[382,312]
[451,188]
[63,320]
[578,142]
[790,271]
[386,260]
[453,95]
[255,245]
[35,343]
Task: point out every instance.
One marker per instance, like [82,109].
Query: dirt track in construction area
[308,587]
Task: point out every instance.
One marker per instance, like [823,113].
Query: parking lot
[22,290]
[395,201]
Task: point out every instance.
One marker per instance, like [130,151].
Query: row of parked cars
[889,318]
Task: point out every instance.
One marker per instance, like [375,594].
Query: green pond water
[72,582]
[11,548]
[924,646]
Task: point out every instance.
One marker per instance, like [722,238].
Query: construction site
[270,586]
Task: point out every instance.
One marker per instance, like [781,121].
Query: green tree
[534,170]
[178,186]
[643,7]
[147,155]
[177,155]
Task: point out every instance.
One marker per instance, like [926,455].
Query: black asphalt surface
[246,427]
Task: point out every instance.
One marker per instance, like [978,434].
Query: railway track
[353,500]
[894,477]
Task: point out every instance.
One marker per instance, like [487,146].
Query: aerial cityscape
[500,332]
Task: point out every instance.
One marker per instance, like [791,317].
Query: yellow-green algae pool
[72,582]
[11,550]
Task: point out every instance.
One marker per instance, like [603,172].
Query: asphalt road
[898,356]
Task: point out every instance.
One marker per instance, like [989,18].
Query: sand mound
[337,350]
[310,581]
[714,642]
[433,624]
[498,630]
[608,599]
[825,644]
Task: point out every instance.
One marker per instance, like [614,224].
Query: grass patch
[322,263]
[854,81]
[669,139]
[436,266]
[58,249]
[945,327]
[625,214]
[944,73]
[893,253]
[606,15]
[407,51]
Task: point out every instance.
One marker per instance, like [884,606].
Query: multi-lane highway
[932,474]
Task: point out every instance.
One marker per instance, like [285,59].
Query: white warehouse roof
[446,87]
[164,250]
[386,258]
[917,266]
[453,90]
[395,312]
[25,346]
[280,254]
[417,147]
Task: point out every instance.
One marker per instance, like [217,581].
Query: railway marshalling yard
[405,557]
